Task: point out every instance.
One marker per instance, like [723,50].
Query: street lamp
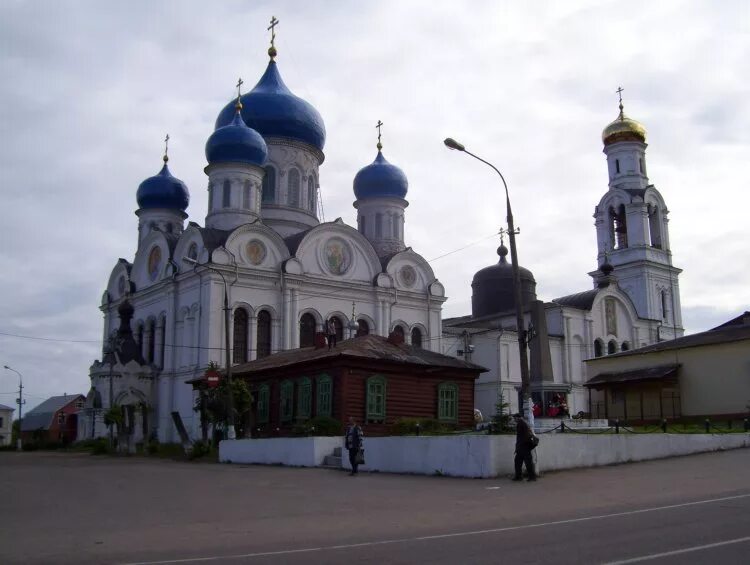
[525,381]
[20,401]
[230,420]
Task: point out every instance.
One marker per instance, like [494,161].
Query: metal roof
[634,375]
[41,416]
[4,407]
[580,300]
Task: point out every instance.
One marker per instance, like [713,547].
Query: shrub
[426,426]
[29,446]
[319,426]
[100,446]
[152,447]
[199,450]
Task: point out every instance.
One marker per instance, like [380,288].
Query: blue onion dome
[236,143]
[163,191]
[380,179]
[273,111]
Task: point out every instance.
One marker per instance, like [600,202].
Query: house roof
[634,375]
[369,347]
[737,329]
[581,300]
[4,407]
[41,416]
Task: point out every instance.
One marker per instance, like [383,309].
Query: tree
[501,419]
[213,404]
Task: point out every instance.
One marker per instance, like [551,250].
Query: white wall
[478,455]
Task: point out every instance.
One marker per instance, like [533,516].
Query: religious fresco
[407,275]
[154,262]
[193,251]
[338,256]
[255,251]
[121,286]
[610,311]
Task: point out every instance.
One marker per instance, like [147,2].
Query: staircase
[333,461]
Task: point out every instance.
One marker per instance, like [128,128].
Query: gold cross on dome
[166,148]
[378,126]
[274,23]
[619,92]
[240,82]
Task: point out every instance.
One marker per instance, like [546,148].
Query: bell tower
[632,231]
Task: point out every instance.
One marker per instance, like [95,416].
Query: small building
[54,420]
[374,379]
[700,375]
[6,425]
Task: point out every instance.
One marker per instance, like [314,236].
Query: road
[74,508]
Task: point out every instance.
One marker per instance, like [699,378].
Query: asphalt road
[58,508]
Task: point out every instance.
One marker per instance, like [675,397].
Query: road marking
[678,551]
[492,488]
[440,536]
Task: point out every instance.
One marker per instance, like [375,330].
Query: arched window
[240,336]
[163,330]
[264,397]
[269,185]
[362,327]
[654,228]
[139,338]
[664,304]
[376,399]
[617,166]
[448,402]
[378,225]
[339,326]
[293,188]
[618,227]
[598,349]
[324,396]
[151,334]
[611,347]
[625,346]
[264,334]
[193,251]
[307,330]
[416,337]
[246,195]
[362,225]
[226,194]
[394,219]
[399,330]
[311,199]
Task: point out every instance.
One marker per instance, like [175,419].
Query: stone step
[332,461]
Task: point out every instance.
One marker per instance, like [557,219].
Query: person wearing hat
[525,443]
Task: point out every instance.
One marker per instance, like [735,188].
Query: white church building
[634,302]
[285,273]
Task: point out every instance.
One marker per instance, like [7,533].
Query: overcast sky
[89,89]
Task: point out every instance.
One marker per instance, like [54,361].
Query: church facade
[283,273]
[634,302]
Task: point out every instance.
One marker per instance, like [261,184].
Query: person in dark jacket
[525,444]
[353,443]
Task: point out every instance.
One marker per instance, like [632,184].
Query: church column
[378,319]
[567,367]
[158,342]
[285,314]
[276,337]
[294,319]
[637,224]
[252,338]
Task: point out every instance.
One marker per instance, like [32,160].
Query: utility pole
[20,401]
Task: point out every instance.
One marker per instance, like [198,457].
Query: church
[263,270]
[634,300]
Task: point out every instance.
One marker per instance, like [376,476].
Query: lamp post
[20,401]
[525,381]
[230,396]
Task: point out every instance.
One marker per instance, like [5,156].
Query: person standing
[353,443]
[331,331]
[525,444]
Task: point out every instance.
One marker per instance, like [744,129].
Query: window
[79,406]
[339,326]
[240,336]
[311,193]
[264,396]
[448,402]
[362,327]
[269,185]
[307,330]
[226,195]
[625,346]
[617,166]
[378,225]
[416,337]
[293,188]
[376,399]
[264,334]
[151,334]
[60,418]
[304,399]
[664,304]
[618,227]
[169,227]
[362,225]
[611,347]
[653,226]
[598,348]
[246,195]
[193,251]
[325,396]
[286,406]
[399,330]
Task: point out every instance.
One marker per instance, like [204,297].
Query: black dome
[492,288]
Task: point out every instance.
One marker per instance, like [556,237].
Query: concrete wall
[478,455]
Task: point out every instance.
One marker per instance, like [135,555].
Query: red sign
[212,378]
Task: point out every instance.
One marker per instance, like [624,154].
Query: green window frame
[264,397]
[448,402]
[376,396]
[325,396]
[286,401]
[304,399]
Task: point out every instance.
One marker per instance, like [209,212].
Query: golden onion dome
[623,129]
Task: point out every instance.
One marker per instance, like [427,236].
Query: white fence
[478,455]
